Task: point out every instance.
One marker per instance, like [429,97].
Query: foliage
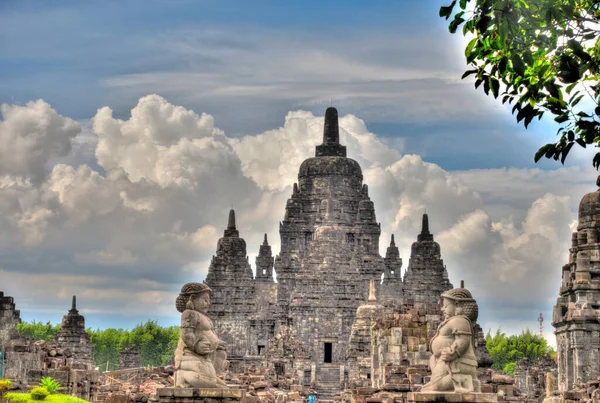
[509,369]
[5,385]
[39,393]
[57,398]
[38,330]
[156,343]
[50,384]
[545,55]
[506,350]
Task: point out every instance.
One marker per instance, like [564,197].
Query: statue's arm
[187,332]
[461,330]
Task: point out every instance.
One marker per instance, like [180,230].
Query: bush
[5,385]
[39,393]
[509,368]
[50,384]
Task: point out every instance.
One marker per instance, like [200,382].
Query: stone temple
[576,315]
[329,255]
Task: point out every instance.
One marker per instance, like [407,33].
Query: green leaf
[518,65]
[528,58]
[576,101]
[571,135]
[455,24]
[562,118]
[470,46]
[581,142]
[468,73]
[495,86]
[543,151]
[446,11]
[570,87]
[565,151]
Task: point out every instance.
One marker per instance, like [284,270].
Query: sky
[128,129]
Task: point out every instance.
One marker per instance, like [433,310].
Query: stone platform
[428,397]
[200,395]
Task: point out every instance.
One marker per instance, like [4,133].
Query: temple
[328,265]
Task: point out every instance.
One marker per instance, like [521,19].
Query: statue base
[451,397]
[200,395]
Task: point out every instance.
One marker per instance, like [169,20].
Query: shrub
[39,393]
[5,385]
[50,384]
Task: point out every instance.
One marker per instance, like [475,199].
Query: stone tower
[391,287]
[72,335]
[426,277]
[232,300]
[264,263]
[329,252]
[10,317]
[575,315]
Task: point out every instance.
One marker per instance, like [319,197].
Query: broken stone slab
[503,379]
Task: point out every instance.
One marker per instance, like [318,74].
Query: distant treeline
[156,343]
[505,350]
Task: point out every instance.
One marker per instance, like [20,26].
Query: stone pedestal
[200,395]
[429,397]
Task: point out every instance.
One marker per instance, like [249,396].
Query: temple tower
[575,315]
[72,335]
[426,277]
[232,299]
[391,288]
[329,253]
[264,263]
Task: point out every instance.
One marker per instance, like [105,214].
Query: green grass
[56,398]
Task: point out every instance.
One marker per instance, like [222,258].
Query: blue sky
[425,139]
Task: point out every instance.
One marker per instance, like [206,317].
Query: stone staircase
[328,383]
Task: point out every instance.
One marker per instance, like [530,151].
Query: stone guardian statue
[200,355]
[453,363]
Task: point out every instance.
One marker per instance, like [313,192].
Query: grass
[56,398]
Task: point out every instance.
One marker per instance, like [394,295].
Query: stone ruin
[67,358]
[130,357]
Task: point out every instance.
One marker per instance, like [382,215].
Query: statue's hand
[447,355]
[222,345]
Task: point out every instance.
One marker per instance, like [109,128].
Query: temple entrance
[328,349]
[261,350]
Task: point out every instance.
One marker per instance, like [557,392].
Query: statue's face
[448,308]
[201,302]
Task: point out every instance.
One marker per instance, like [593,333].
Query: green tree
[505,350]
[540,56]
[38,330]
[156,343]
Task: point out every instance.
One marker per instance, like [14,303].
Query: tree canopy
[505,350]
[156,343]
[541,56]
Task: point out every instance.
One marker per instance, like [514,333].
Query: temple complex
[576,315]
[322,301]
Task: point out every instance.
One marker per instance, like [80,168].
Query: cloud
[136,208]
[30,136]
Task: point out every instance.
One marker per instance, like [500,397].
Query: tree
[505,350]
[540,56]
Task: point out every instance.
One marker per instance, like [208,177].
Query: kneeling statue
[200,354]
[453,363]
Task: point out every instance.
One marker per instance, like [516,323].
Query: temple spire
[425,235]
[331,146]
[231,220]
[265,242]
[392,243]
[425,225]
[331,131]
[74,303]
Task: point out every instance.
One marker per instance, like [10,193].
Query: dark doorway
[328,351]
[261,349]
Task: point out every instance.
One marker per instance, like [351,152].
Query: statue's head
[459,301]
[194,296]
